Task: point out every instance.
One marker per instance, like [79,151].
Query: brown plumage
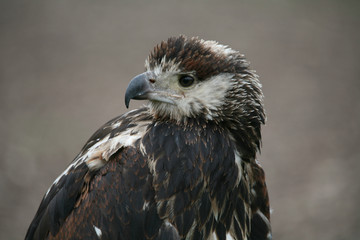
[182,167]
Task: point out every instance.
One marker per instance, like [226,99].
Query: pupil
[186,81]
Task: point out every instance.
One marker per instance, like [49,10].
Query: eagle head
[190,78]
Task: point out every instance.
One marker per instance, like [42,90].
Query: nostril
[152,80]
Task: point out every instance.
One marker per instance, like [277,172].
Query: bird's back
[174,182]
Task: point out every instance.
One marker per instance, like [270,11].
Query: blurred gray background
[64,67]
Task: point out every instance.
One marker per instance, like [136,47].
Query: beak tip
[127,101]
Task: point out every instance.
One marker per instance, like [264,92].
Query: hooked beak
[139,88]
[142,87]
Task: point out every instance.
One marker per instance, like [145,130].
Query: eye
[186,80]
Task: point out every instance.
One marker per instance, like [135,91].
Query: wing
[115,203]
[81,201]
[260,221]
[57,204]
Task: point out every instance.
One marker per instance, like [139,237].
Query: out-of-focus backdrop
[65,65]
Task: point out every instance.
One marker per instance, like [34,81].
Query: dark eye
[186,80]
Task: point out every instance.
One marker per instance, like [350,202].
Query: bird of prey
[181,167]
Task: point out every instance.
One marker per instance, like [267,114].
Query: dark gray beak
[139,87]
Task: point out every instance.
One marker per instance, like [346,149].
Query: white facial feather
[207,96]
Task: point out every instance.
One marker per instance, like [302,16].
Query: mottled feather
[184,168]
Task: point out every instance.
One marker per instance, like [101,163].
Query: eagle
[183,166]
